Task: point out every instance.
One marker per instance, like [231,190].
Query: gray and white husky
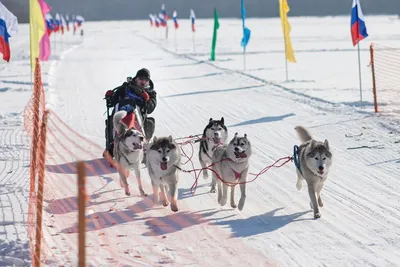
[231,163]
[163,162]
[128,151]
[214,135]
[315,159]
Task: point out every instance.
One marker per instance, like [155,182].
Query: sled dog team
[229,161]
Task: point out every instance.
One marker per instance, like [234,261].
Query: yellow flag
[284,9]
[37,29]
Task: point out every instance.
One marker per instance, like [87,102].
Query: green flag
[214,40]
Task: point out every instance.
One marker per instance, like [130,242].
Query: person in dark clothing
[141,89]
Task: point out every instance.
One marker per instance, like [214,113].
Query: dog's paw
[213,190]
[241,204]
[142,193]
[317,215]
[299,184]
[233,205]
[127,192]
[174,208]
[222,202]
[165,203]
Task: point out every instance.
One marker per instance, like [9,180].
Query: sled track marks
[14,182]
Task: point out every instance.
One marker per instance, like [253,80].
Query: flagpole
[194,45]
[244,58]
[176,46]
[285,42]
[359,71]
[286,67]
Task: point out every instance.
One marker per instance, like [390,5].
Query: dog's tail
[303,134]
[119,126]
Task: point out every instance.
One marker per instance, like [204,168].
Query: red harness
[237,174]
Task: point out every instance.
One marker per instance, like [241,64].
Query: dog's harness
[296,158]
[213,148]
[238,175]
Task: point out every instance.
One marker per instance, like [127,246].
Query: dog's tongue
[137,146]
[163,166]
[241,155]
[216,140]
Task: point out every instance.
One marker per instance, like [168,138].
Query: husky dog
[128,151]
[163,163]
[315,159]
[214,135]
[231,163]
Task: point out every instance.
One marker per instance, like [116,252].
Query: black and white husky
[128,151]
[315,158]
[214,135]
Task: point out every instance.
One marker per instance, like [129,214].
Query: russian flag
[57,23]
[157,22]
[67,21]
[175,19]
[8,27]
[4,45]
[163,22]
[358,27]
[79,20]
[49,23]
[164,12]
[151,20]
[193,18]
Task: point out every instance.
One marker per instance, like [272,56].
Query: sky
[128,9]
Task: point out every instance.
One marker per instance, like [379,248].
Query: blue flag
[246,31]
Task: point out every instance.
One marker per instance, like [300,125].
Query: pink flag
[45,42]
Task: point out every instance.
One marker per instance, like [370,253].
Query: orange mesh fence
[385,63]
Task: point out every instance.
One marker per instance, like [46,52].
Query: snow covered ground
[361,215]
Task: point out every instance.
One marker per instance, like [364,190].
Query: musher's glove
[145,96]
[152,93]
[109,94]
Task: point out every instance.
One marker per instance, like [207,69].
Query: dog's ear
[155,139]
[312,144]
[222,121]
[127,133]
[210,120]
[245,136]
[170,138]
[236,135]
[326,144]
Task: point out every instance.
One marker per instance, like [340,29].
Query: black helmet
[143,73]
